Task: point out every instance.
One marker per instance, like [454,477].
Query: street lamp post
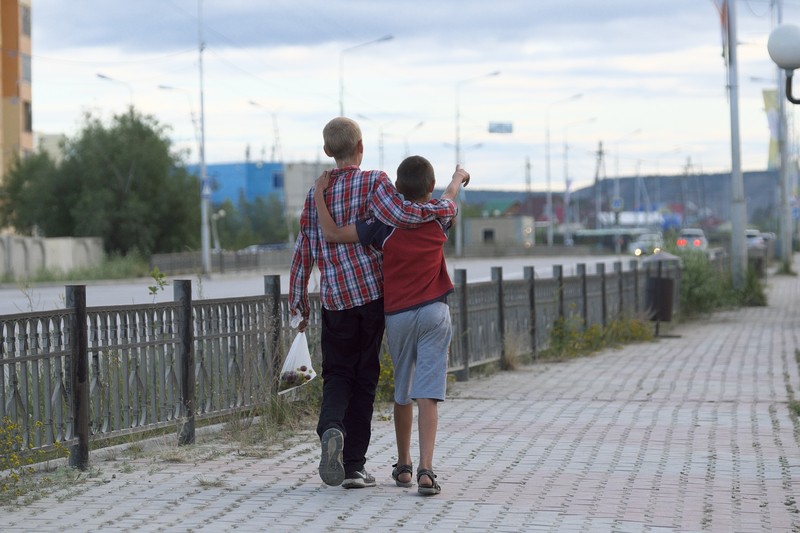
[205,185]
[460,199]
[192,115]
[616,202]
[114,80]
[276,148]
[409,132]
[380,126]
[214,230]
[567,182]
[341,67]
[784,49]
[549,208]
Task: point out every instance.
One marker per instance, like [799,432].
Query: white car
[692,239]
[754,239]
[646,244]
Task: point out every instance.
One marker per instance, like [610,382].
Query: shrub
[705,287]
[17,459]
[569,337]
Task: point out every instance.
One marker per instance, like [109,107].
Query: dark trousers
[351,342]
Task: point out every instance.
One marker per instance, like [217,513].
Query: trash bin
[658,298]
[660,291]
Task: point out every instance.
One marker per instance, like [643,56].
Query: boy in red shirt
[351,294]
[418,325]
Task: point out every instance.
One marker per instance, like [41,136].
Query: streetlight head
[784,46]
[102,76]
[385,38]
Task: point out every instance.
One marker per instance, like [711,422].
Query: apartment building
[16,114]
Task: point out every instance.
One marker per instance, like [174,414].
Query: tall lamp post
[380,126]
[460,199]
[549,209]
[114,80]
[205,185]
[567,182]
[192,115]
[341,67]
[409,132]
[784,49]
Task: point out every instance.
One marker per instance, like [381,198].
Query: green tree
[258,222]
[31,196]
[121,182]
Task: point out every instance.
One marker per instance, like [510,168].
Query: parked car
[692,239]
[754,239]
[646,244]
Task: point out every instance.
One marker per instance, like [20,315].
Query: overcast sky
[650,74]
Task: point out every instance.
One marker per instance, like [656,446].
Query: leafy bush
[706,287]
[703,287]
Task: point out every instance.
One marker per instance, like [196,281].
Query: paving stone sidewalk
[687,433]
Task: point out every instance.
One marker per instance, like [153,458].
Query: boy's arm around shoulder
[387,206]
[330,231]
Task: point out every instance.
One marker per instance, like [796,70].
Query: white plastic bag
[297,369]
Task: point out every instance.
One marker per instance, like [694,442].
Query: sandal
[429,490]
[402,469]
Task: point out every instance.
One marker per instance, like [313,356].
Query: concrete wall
[22,257]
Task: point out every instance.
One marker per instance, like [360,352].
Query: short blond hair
[341,136]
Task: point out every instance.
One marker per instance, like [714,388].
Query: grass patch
[112,267]
[569,337]
[17,460]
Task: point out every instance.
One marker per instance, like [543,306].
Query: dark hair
[415,178]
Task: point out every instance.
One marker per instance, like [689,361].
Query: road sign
[616,204]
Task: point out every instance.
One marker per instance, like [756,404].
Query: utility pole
[598,200]
[530,198]
[205,186]
[738,206]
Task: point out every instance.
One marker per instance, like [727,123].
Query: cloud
[650,65]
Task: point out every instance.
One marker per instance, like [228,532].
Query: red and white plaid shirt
[351,272]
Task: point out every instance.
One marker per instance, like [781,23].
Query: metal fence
[83,374]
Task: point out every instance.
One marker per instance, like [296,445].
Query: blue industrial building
[248,180]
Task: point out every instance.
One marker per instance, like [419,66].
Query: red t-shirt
[414,269]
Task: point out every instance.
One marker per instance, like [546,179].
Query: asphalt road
[22,298]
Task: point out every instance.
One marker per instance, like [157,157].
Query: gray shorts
[418,341]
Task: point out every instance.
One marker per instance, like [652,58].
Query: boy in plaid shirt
[351,293]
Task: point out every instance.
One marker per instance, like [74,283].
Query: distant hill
[702,195]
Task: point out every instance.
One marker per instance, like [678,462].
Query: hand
[462,175]
[323,180]
[302,325]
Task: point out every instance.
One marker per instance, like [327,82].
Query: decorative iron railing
[81,374]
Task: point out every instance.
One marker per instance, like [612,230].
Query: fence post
[182,292]
[497,277]
[272,289]
[463,322]
[558,273]
[530,277]
[601,272]
[78,375]
[580,270]
[635,269]
[618,273]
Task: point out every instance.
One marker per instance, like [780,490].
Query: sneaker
[359,480]
[331,467]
